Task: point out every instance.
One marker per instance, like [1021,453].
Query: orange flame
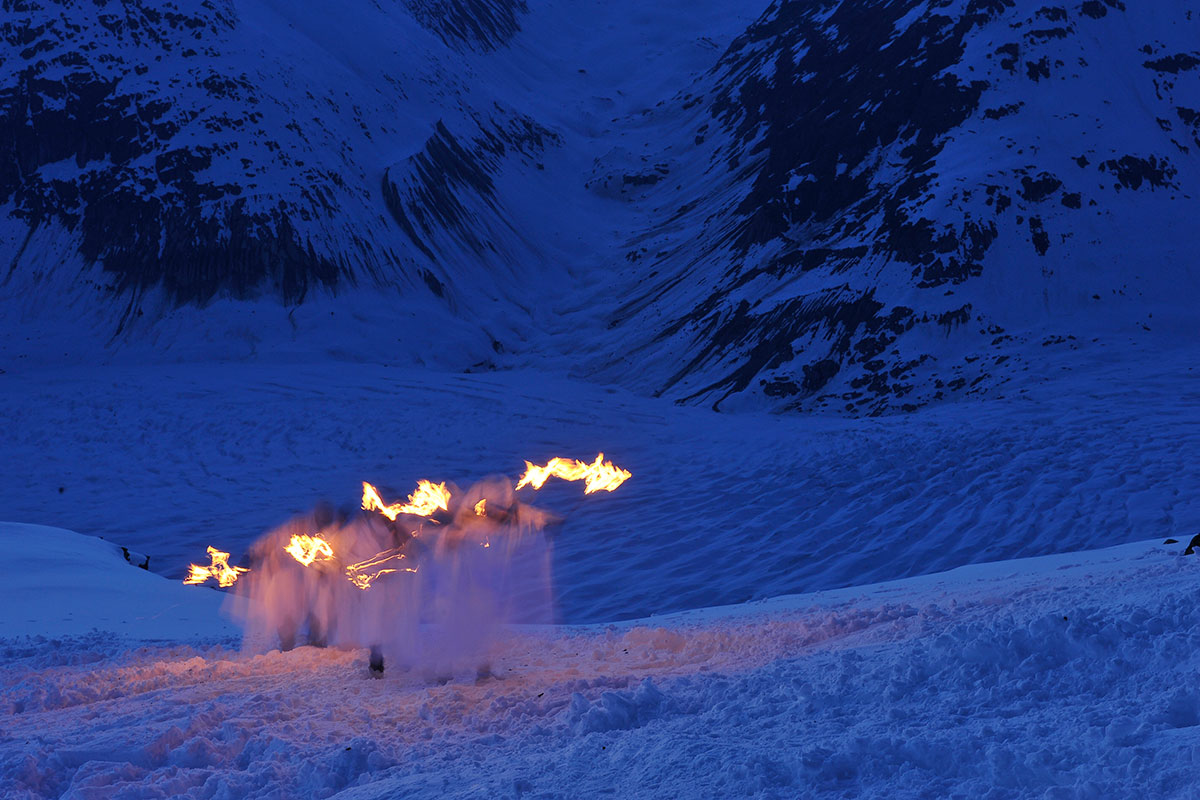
[428,498]
[364,573]
[597,476]
[481,508]
[307,549]
[220,570]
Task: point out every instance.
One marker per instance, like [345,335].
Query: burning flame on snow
[220,570]
[597,476]
[428,498]
[364,572]
[307,549]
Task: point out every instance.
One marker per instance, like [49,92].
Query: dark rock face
[1132,171]
[430,193]
[1037,190]
[477,24]
[853,89]
[1174,64]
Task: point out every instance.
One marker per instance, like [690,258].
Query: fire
[219,569]
[427,499]
[364,573]
[307,549]
[600,475]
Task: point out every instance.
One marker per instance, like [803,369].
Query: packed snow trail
[1061,676]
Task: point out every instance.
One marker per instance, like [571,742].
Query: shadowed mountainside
[861,205]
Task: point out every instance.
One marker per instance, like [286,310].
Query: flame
[428,498]
[364,573]
[307,549]
[224,574]
[597,476]
[481,511]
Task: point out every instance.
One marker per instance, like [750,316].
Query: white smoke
[439,590]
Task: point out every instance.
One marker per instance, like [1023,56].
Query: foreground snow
[1071,675]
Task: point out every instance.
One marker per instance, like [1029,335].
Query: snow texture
[1033,678]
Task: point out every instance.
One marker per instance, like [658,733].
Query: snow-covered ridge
[61,583]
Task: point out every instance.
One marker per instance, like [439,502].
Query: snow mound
[61,583]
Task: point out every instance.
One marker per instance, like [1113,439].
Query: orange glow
[219,570]
[600,475]
[428,498]
[481,508]
[364,573]
[307,549]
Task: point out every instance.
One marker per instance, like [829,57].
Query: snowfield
[1071,675]
[1096,448]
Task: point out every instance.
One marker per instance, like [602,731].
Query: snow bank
[60,583]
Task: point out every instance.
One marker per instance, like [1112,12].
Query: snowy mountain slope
[271,170]
[857,206]
[884,204]
[1017,679]
[154,158]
